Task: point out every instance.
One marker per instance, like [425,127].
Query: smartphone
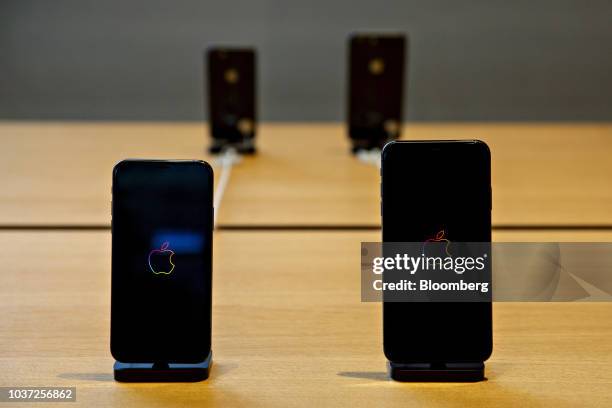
[375,91]
[231,93]
[428,188]
[161,290]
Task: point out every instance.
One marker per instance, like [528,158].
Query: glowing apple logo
[440,237]
[160,260]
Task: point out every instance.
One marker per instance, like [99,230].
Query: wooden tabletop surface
[542,174]
[289,330]
[60,173]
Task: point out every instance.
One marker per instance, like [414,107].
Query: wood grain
[542,174]
[289,330]
[59,173]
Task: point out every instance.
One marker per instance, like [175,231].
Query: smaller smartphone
[375,90]
[161,287]
[231,96]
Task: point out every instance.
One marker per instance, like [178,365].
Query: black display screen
[430,189]
[161,261]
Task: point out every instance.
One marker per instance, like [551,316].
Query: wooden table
[289,330]
[59,173]
[542,175]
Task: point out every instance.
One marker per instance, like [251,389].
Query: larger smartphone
[161,261]
[231,93]
[431,188]
[375,91]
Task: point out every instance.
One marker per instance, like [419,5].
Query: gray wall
[470,60]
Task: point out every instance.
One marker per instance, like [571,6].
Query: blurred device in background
[231,99]
[376,84]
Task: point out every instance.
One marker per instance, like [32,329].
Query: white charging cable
[225,161]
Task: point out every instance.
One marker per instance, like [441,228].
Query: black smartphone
[431,188]
[161,291]
[231,93]
[375,91]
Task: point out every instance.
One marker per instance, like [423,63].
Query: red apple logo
[440,237]
[160,260]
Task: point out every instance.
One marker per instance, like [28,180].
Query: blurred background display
[475,60]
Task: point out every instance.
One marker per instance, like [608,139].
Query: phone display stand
[162,372]
[370,156]
[244,146]
[361,144]
[367,145]
[449,372]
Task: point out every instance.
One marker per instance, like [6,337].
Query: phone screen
[431,188]
[161,261]
[376,81]
[231,93]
